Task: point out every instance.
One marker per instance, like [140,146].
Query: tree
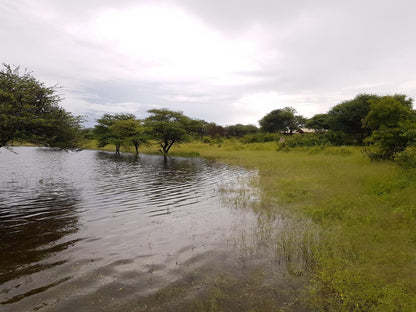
[349,115]
[129,131]
[105,134]
[198,126]
[392,123]
[240,130]
[319,122]
[167,128]
[281,120]
[29,112]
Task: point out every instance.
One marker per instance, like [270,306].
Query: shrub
[407,158]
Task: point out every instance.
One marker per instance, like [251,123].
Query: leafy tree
[349,115]
[319,122]
[129,131]
[393,125]
[105,134]
[29,111]
[214,130]
[198,126]
[281,120]
[168,127]
[240,130]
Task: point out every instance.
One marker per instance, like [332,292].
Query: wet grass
[364,249]
[349,232]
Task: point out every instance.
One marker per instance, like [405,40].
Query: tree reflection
[32,230]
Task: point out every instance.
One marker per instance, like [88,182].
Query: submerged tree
[168,127]
[30,112]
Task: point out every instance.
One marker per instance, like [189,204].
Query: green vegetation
[168,127]
[365,257]
[282,120]
[29,112]
[355,249]
[352,220]
[119,129]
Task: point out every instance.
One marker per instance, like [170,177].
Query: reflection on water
[94,231]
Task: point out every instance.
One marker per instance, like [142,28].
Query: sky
[223,61]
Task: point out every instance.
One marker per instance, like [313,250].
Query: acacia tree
[318,122]
[282,120]
[104,133]
[30,112]
[129,131]
[167,127]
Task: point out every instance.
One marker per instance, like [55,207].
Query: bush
[407,158]
[260,137]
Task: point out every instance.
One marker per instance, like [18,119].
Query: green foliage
[281,120]
[319,122]
[107,133]
[348,116]
[167,127]
[315,139]
[407,158]
[393,127]
[240,130]
[260,137]
[29,112]
[131,131]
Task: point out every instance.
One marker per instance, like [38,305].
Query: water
[91,231]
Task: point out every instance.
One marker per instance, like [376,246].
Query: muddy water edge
[99,232]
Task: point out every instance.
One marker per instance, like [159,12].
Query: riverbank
[361,248]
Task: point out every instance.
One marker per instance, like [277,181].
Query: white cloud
[224,61]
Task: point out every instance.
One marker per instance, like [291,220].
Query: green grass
[361,244]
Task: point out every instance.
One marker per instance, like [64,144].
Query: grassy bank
[363,254]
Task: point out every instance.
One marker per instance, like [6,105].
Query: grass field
[361,244]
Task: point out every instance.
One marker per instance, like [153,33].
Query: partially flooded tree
[30,112]
[104,133]
[167,127]
[130,131]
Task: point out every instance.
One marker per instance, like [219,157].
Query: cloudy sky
[226,61]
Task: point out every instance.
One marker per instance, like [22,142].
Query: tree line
[30,112]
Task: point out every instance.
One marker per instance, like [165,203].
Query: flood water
[92,231]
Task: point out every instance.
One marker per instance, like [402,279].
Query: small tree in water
[167,127]
[130,131]
[104,130]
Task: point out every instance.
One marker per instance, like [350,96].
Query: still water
[86,231]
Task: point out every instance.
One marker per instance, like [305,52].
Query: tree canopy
[30,112]
[107,132]
[168,127]
[282,120]
[392,123]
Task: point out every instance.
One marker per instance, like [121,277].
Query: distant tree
[240,130]
[30,112]
[167,127]
[198,127]
[105,134]
[281,120]
[318,122]
[129,131]
[214,130]
[392,123]
[348,116]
